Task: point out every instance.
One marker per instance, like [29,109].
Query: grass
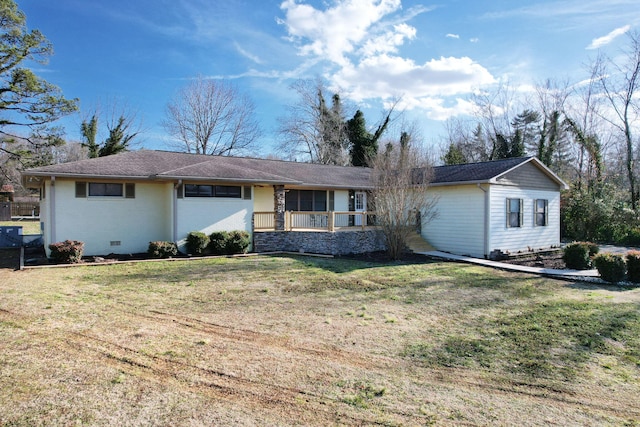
[28,226]
[305,341]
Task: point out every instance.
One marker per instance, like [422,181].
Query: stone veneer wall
[337,243]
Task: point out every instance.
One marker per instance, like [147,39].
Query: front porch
[331,233]
[330,221]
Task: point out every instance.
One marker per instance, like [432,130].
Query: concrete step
[416,243]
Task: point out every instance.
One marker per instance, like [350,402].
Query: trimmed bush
[218,242]
[229,242]
[611,267]
[238,242]
[633,266]
[67,252]
[577,255]
[160,249]
[197,242]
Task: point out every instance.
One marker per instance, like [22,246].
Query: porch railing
[320,221]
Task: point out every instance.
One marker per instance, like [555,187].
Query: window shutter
[246,192]
[507,211]
[130,190]
[180,191]
[81,189]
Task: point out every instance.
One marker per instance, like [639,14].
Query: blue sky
[138,53]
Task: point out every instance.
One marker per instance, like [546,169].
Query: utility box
[5,211]
[10,237]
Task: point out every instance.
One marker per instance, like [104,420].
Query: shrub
[67,252]
[577,255]
[633,237]
[160,249]
[237,242]
[218,242]
[633,266]
[197,242]
[611,267]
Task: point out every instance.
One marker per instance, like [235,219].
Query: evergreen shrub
[633,266]
[611,267]
[160,249]
[577,255]
[197,243]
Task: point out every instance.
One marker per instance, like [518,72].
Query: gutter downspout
[175,211]
[486,221]
[52,210]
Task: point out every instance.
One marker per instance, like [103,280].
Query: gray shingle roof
[475,172]
[147,164]
[166,165]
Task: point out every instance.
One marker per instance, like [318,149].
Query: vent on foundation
[115,243]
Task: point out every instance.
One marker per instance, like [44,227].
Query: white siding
[209,214]
[101,222]
[528,237]
[459,227]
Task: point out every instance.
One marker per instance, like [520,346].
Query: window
[306,200]
[514,213]
[105,189]
[541,212]
[81,189]
[246,192]
[199,190]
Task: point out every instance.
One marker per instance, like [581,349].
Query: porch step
[417,243]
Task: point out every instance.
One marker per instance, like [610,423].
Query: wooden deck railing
[320,221]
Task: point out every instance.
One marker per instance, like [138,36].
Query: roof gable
[490,172]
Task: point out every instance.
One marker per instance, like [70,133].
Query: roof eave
[87,176]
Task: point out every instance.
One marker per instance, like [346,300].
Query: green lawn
[313,341]
[28,226]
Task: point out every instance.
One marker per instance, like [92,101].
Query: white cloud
[474,40]
[247,54]
[389,42]
[605,40]
[359,43]
[334,32]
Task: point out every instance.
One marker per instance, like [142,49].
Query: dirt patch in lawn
[312,341]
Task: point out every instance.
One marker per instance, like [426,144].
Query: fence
[31,209]
[320,221]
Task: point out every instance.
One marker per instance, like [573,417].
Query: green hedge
[577,255]
[633,266]
[229,243]
[160,249]
[611,267]
[197,243]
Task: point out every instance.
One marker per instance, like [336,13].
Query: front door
[360,205]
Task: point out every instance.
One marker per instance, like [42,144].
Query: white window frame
[510,212]
[544,212]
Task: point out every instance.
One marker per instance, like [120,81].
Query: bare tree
[620,83]
[212,117]
[312,130]
[401,176]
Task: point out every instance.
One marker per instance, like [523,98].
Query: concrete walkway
[588,275]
